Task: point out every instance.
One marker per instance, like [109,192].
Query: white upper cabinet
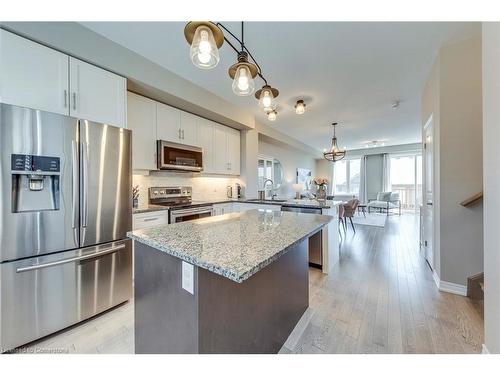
[96,94]
[226,150]
[32,75]
[221,165]
[206,142]
[168,127]
[233,150]
[35,76]
[141,119]
[220,144]
[189,133]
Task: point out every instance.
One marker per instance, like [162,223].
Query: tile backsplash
[204,187]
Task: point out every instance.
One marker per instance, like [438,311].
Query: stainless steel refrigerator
[65,210]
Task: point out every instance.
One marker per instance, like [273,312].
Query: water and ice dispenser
[35,183]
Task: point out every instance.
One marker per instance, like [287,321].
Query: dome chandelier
[205,39]
[335,154]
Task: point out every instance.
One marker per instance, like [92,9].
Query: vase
[321,193]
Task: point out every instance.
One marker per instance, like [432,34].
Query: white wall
[453,97]
[291,158]
[491,165]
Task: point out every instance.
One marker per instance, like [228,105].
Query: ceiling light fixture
[372,144]
[207,37]
[271,116]
[335,154]
[300,107]
[266,97]
[243,74]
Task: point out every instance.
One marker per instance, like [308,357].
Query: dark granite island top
[236,283]
[235,245]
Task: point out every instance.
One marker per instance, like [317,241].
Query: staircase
[475,291]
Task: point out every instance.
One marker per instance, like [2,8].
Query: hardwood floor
[380,299]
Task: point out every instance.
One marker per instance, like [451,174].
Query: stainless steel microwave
[176,156]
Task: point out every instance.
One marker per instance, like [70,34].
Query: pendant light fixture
[205,39]
[266,97]
[243,74]
[335,154]
[300,107]
[271,116]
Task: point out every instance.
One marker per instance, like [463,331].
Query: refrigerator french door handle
[84,183]
[74,187]
[110,250]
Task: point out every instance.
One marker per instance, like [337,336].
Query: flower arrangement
[320,181]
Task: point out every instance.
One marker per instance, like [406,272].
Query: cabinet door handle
[182,132]
[65,98]
[179,133]
[74,101]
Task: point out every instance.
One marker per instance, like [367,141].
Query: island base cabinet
[221,316]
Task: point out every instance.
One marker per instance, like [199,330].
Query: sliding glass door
[406,179]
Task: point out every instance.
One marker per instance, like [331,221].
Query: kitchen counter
[234,283]
[236,245]
[299,203]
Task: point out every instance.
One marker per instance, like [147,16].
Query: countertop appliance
[179,201]
[65,210]
[179,157]
[234,191]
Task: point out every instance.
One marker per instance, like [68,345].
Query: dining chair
[349,210]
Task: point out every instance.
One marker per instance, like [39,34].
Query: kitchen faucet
[272,186]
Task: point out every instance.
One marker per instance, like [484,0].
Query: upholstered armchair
[385,201]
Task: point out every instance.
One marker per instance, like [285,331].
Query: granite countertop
[235,245]
[303,203]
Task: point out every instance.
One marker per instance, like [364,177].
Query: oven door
[180,215]
[179,157]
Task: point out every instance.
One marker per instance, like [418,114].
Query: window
[406,179]
[346,176]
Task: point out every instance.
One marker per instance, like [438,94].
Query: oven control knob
[155,193]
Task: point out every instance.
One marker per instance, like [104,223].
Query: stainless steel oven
[178,215]
[179,157]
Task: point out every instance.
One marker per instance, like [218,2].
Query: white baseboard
[485,350]
[445,286]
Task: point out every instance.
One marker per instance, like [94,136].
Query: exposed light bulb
[204,52]
[243,84]
[271,116]
[204,48]
[243,81]
[267,99]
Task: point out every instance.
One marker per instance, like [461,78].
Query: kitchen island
[236,283]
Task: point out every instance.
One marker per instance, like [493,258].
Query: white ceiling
[346,71]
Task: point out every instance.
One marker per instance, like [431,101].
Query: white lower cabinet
[150,219]
[223,208]
[242,207]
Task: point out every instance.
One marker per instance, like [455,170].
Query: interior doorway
[427,225]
